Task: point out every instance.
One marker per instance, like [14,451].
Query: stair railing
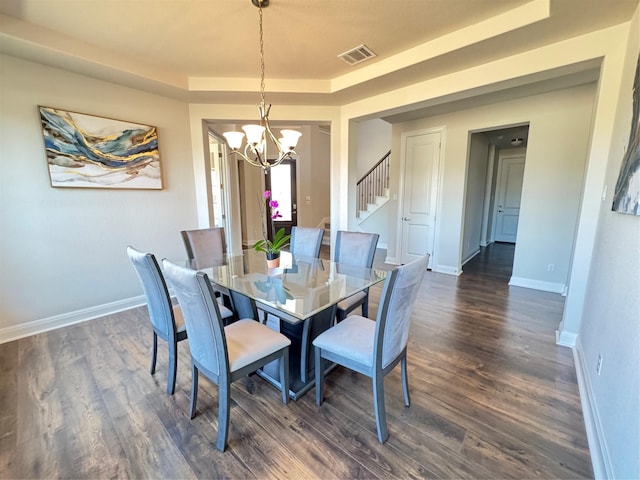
[373,184]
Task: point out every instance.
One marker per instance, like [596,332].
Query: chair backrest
[205,247]
[201,318]
[306,241]
[396,306]
[155,290]
[355,248]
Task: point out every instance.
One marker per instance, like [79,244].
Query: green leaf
[260,246]
[280,240]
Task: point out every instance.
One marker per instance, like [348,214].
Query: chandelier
[255,150]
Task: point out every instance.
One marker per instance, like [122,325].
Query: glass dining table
[301,295]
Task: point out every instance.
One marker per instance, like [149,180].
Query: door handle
[406,219]
[500,211]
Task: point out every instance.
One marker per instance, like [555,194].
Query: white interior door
[419,195]
[508,194]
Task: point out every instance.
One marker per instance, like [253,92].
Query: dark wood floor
[492,397]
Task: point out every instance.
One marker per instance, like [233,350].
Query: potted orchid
[271,246]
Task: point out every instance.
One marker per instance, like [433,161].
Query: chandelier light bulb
[289,139]
[234,139]
[254,133]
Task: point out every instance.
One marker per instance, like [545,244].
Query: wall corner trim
[566,339]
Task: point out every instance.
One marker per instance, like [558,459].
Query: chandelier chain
[261,56]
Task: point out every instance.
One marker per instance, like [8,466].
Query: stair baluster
[373,184]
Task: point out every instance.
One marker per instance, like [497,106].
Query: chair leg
[365,306]
[284,375]
[224,399]
[194,390]
[381,414]
[319,377]
[405,380]
[154,355]
[173,366]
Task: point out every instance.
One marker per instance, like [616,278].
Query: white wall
[314,179]
[374,141]
[558,141]
[62,250]
[611,322]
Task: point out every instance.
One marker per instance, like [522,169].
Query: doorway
[281,180]
[495,172]
[221,207]
[218,210]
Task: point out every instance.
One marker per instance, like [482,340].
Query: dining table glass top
[300,286]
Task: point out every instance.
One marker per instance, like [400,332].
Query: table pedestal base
[301,354]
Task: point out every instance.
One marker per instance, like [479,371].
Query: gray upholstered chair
[223,354]
[166,319]
[355,249]
[306,241]
[374,348]
[205,247]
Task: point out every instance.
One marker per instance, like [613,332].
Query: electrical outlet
[599,365]
[551,267]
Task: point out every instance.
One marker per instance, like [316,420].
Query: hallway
[494,261]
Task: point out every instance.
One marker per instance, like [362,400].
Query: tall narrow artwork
[85,151]
[626,198]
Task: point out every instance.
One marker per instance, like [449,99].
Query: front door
[281,180]
[508,193]
[419,195]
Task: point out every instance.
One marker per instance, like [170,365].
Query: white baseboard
[447,269]
[537,284]
[600,458]
[470,256]
[438,269]
[14,332]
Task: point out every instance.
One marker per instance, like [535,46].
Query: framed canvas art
[626,198]
[85,151]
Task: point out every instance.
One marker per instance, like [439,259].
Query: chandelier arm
[258,161]
[277,162]
[283,156]
[247,158]
[273,137]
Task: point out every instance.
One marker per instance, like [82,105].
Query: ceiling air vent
[357,55]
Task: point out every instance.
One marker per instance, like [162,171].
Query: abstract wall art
[85,151]
[626,198]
